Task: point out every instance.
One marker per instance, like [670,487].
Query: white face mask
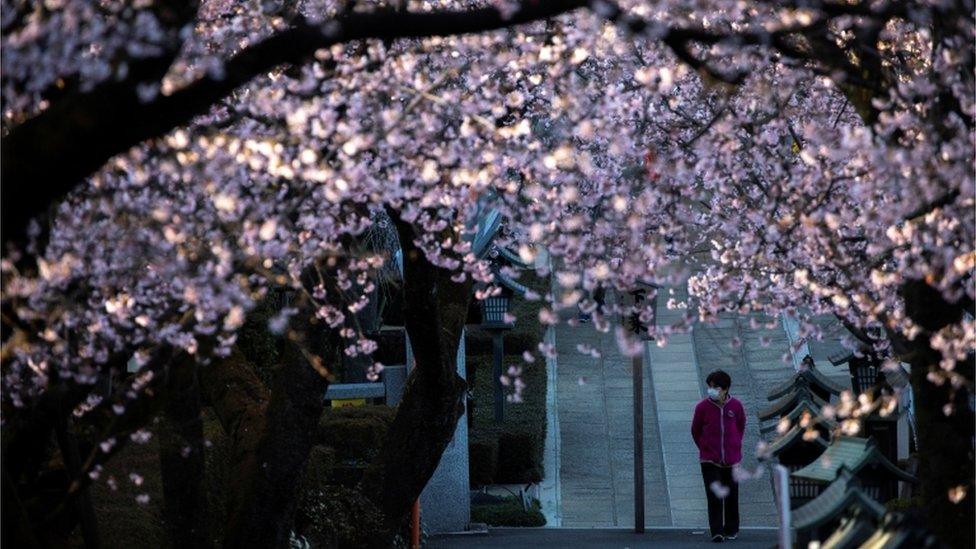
[713,393]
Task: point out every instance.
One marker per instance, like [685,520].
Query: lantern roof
[897,376]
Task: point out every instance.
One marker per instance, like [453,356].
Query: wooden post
[415,525]
[633,325]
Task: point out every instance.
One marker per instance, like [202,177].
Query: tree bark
[435,309]
[264,518]
[48,155]
[68,444]
[181,459]
[945,441]
[271,436]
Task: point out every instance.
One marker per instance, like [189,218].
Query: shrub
[508,512]
[520,455]
[335,516]
[258,344]
[319,469]
[355,433]
[482,460]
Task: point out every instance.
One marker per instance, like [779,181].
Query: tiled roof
[896,533]
[853,531]
[792,437]
[843,495]
[811,376]
[794,415]
[786,404]
[851,453]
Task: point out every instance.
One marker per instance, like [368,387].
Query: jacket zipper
[721,423]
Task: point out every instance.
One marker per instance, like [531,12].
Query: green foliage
[123,522]
[217,474]
[348,521]
[512,451]
[355,433]
[339,517]
[482,459]
[519,441]
[319,469]
[331,513]
[508,512]
[520,455]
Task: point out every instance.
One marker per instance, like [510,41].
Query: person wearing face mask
[717,428]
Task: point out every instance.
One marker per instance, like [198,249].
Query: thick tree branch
[45,157]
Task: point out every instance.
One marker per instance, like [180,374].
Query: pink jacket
[717,430]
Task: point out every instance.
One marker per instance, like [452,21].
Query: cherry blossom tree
[187,160]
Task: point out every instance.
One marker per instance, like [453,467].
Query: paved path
[591,403]
[597,539]
[752,355]
[677,384]
[595,404]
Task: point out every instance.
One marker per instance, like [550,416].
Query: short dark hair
[719,379]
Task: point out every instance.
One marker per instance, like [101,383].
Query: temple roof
[852,454]
[896,533]
[843,495]
[793,437]
[811,376]
[804,404]
[853,531]
[790,401]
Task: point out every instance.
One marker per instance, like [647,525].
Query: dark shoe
[731,537]
[718,538]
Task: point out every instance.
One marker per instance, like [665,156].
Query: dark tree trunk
[264,517]
[435,309]
[181,459]
[68,444]
[16,523]
[945,441]
[271,436]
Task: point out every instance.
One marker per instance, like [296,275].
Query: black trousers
[723,512]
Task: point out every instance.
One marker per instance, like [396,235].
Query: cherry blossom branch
[46,156]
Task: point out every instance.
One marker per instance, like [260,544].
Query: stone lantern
[494,310]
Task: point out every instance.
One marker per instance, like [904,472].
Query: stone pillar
[394,383]
[445,504]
